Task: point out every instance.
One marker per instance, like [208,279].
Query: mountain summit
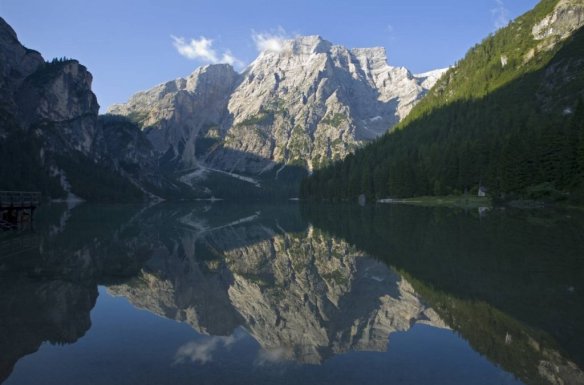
[306,103]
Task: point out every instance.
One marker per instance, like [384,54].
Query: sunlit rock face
[303,296]
[176,112]
[566,18]
[306,103]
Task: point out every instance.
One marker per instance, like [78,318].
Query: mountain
[173,113]
[216,133]
[303,105]
[507,118]
[52,140]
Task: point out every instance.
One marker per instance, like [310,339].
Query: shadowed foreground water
[240,294]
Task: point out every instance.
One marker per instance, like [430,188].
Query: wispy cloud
[202,352]
[270,41]
[202,49]
[500,15]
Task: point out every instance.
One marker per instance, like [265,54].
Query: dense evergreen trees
[500,119]
[21,160]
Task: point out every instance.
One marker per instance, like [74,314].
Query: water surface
[240,294]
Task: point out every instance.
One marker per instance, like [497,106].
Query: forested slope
[508,117]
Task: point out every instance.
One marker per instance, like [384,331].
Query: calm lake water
[327,294]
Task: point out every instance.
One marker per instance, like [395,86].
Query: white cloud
[228,58]
[500,15]
[202,49]
[202,352]
[269,41]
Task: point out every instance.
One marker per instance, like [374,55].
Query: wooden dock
[17,209]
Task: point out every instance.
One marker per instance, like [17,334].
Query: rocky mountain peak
[304,104]
[6,30]
[209,74]
[375,57]
[16,62]
[306,45]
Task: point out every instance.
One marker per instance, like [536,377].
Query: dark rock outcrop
[49,121]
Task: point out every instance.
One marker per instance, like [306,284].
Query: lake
[292,294]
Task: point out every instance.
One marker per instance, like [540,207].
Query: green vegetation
[505,127]
[30,170]
[49,70]
[272,189]
[483,71]
[337,277]
[262,118]
[97,183]
[121,130]
[278,106]
[211,131]
[26,169]
[206,145]
[463,201]
[298,147]
[258,280]
[208,140]
[336,120]
[138,117]
[33,166]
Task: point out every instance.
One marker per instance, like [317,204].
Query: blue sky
[132,45]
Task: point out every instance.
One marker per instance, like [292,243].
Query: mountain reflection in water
[305,284]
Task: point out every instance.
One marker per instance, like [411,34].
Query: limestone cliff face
[174,113]
[303,296]
[49,107]
[58,97]
[306,104]
[38,94]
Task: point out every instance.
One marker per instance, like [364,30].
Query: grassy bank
[464,201]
